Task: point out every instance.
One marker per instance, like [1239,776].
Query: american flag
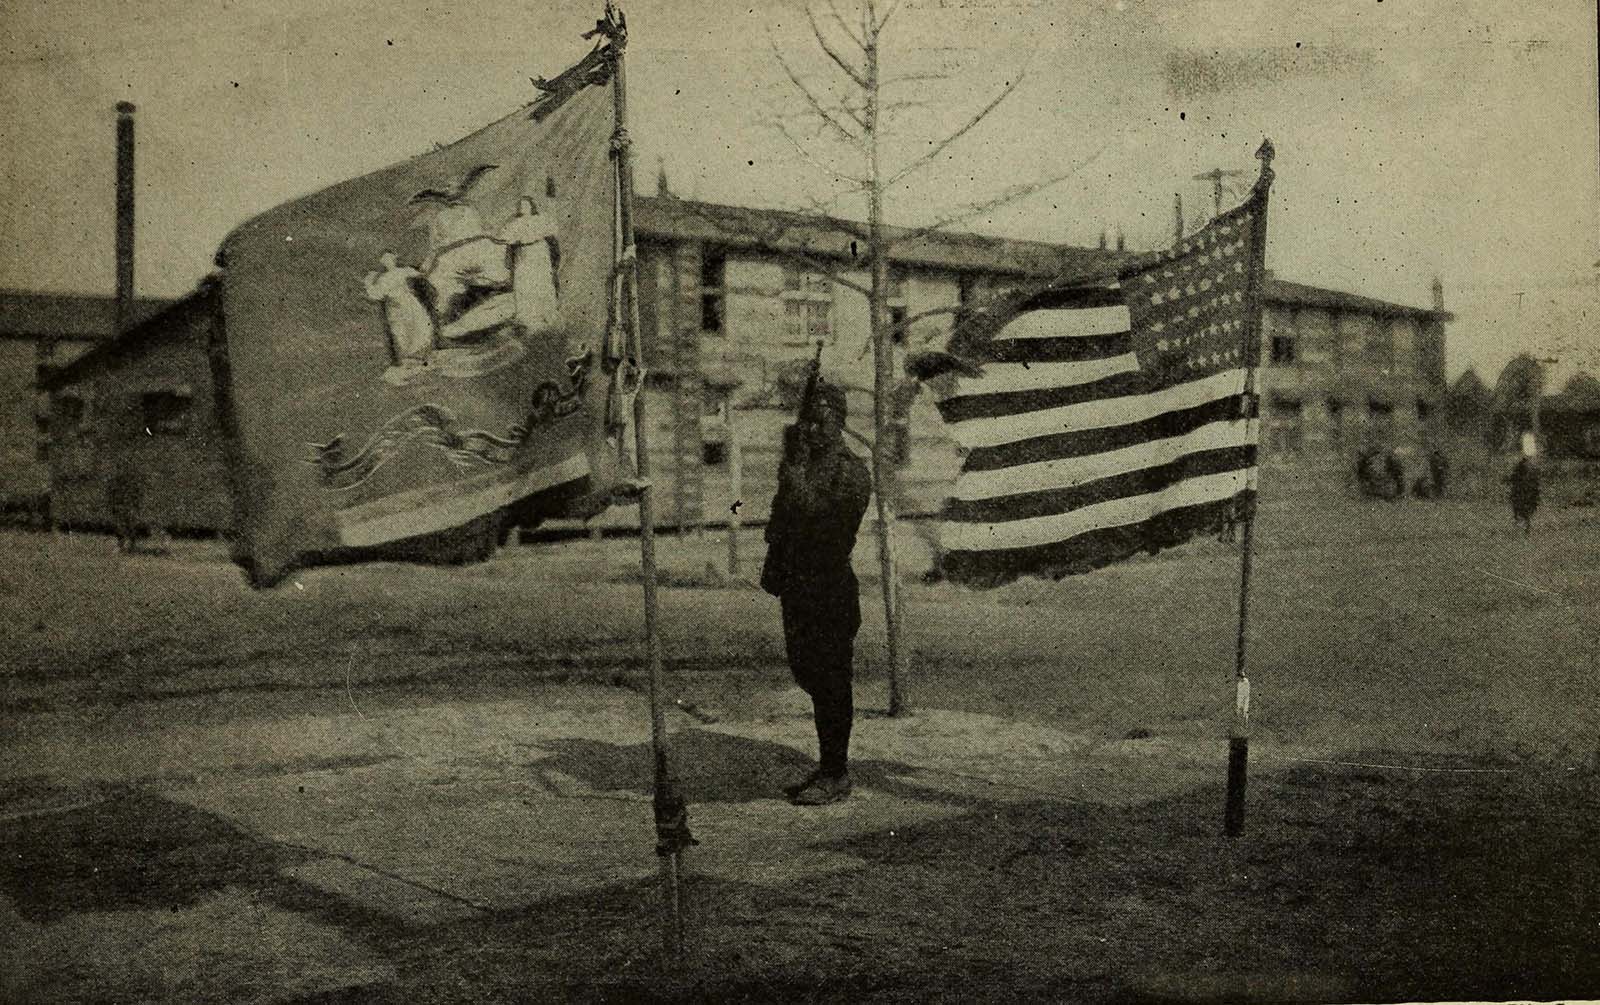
[1113,419]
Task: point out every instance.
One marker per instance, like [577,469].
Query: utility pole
[1177,219]
[1215,176]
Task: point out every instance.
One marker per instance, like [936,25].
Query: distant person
[124,495]
[1364,476]
[1524,492]
[1396,473]
[822,495]
[1438,471]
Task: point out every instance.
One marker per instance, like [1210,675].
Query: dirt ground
[394,783]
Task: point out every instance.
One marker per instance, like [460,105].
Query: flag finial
[1264,154]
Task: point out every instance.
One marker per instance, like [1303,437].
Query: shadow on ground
[1345,887]
[131,851]
[712,767]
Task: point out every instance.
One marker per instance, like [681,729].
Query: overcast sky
[1454,138]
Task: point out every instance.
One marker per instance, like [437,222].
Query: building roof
[671,218]
[834,238]
[170,319]
[1582,394]
[26,314]
[1279,291]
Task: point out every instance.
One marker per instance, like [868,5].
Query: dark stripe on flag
[1095,441]
[1071,349]
[1092,550]
[1081,296]
[988,406]
[1132,483]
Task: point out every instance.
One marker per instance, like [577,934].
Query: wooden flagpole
[1239,733]
[671,809]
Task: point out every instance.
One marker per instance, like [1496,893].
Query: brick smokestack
[1438,294]
[124,214]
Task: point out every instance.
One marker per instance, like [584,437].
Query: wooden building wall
[151,412]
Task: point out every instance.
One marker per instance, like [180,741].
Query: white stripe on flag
[1058,527]
[1073,322]
[1005,378]
[440,507]
[1066,472]
[1097,414]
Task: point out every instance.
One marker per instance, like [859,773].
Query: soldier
[822,495]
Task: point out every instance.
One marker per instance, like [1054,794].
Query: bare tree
[838,126]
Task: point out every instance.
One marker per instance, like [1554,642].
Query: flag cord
[671,809]
[1239,733]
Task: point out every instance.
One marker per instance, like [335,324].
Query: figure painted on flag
[823,491]
[459,314]
[409,323]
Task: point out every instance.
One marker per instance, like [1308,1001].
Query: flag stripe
[1126,484]
[431,509]
[1082,444]
[1058,350]
[1121,512]
[1119,411]
[1036,401]
[1075,459]
[1005,378]
[1041,476]
[1094,549]
[1070,322]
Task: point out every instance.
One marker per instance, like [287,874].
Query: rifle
[791,434]
[813,375]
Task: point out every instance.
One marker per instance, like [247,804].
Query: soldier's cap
[835,397]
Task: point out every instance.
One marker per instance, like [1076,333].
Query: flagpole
[671,810]
[1239,733]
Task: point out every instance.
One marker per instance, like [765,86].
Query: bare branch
[844,27]
[939,147]
[894,5]
[771,238]
[806,155]
[901,106]
[849,71]
[913,78]
[811,99]
[1005,198]
[825,268]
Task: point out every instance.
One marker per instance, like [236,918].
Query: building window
[1380,342]
[808,307]
[1424,409]
[1379,410]
[966,298]
[713,291]
[165,413]
[1335,420]
[899,444]
[1283,349]
[1284,425]
[897,324]
[896,302]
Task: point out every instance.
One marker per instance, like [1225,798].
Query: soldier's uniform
[822,496]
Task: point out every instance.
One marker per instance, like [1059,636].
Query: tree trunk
[883,474]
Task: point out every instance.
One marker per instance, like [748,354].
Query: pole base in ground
[1238,767]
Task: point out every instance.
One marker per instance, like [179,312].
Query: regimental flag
[1112,419]
[413,350]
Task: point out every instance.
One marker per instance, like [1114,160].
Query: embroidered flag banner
[417,349]
[1113,419]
